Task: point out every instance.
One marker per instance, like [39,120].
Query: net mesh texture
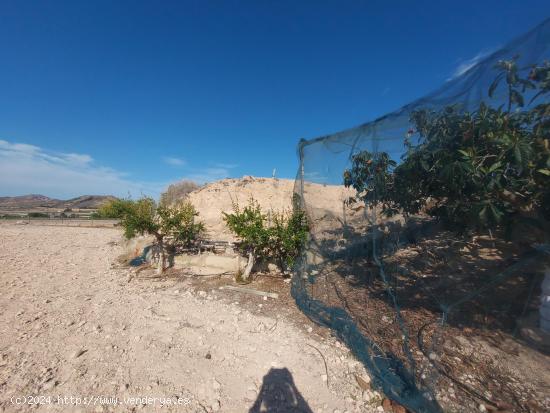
[428,238]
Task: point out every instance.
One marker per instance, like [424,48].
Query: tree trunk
[249,266]
[544,309]
[160,267]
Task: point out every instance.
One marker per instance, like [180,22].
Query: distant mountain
[87,201]
[28,201]
[34,201]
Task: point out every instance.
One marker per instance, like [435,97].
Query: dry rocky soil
[79,333]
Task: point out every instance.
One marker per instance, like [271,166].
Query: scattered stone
[397,408]
[386,405]
[216,385]
[50,385]
[363,382]
[208,356]
[216,406]
[386,319]
[78,353]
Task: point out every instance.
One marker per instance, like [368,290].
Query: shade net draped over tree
[431,267]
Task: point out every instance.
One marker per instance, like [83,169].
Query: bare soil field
[78,333]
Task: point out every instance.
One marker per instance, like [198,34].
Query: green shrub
[170,225]
[115,208]
[280,236]
[37,215]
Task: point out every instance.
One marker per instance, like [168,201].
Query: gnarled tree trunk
[160,265]
[249,265]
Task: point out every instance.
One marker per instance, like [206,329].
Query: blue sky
[113,96]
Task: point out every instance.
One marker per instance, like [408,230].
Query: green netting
[439,296]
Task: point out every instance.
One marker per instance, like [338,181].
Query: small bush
[38,215]
[279,237]
[170,225]
[177,192]
[115,208]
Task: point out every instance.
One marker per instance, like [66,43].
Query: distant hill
[34,201]
[87,201]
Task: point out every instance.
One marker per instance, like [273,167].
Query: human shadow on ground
[279,394]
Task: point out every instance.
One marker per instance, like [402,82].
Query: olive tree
[277,236]
[170,225]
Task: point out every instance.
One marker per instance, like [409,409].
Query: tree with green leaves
[170,225]
[485,169]
[277,236]
[488,169]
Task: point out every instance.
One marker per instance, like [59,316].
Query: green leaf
[544,171]
[494,167]
[497,213]
[515,97]
[517,155]
[424,164]
[483,214]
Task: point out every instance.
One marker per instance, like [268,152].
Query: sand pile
[271,193]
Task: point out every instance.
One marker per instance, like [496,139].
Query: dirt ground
[78,333]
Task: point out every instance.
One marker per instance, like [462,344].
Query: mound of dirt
[273,194]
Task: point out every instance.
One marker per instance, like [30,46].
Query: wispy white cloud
[209,174]
[30,169]
[204,175]
[225,165]
[466,65]
[173,161]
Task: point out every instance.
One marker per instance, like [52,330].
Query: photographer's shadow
[279,395]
